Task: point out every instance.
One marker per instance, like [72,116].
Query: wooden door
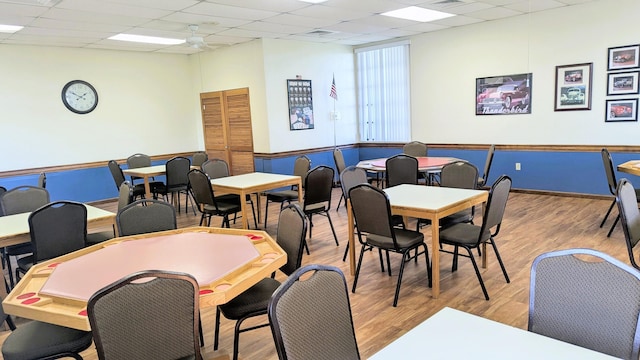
[226,120]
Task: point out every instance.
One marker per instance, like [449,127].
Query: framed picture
[300,104]
[621,83]
[503,95]
[623,57]
[622,110]
[573,87]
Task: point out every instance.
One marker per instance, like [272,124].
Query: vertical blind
[383,92]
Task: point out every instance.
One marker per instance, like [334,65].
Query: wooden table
[250,183]
[146,173]
[424,202]
[453,334]
[225,262]
[630,167]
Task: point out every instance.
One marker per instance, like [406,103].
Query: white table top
[428,197]
[250,180]
[452,334]
[154,170]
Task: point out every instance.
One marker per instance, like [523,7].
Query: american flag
[334,91]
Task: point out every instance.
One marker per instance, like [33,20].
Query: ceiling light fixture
[147,39]
[10,28]
[417,14]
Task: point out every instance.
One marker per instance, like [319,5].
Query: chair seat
[19,249]
[315,208]
[465,216]
[282,196]
[96,238]
[463,234]
[223,207]
[37,340]
[25,263]
[254,299]
[405,239]
[229,198]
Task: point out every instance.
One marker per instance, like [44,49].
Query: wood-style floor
[533,224]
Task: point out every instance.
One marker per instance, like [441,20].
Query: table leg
[243,207]
[147,188]
[435,258]
[259,210]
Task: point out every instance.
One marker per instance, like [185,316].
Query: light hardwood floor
[533,224]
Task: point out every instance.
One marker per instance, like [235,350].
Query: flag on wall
[334,91]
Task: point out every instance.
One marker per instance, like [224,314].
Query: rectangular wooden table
[630,167]
[146,173]
[453,334]
[251,183]
[225,262]
[424,202]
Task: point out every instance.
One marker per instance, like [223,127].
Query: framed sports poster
[300,104]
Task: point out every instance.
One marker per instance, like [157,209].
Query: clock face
[79,96]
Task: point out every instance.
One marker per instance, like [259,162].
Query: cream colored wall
[144,106]
[445,65]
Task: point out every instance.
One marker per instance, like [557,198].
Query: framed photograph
[622,110]
[623,57]
[573,87]
[300,104]
[621,83]
[504,95]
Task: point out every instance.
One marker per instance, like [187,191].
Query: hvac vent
[448,3]
[321,32]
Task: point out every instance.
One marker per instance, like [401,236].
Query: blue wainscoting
[552,171]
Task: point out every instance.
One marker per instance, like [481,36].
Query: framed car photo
[623,57]
[622,110]
[504,95]
[573,87]
[622,83]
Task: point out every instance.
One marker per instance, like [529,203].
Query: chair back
[415,149]
[215,168]
[487,163]
[586,298]
[310,316]
[318,186]
[401,169]
[147,315]
[116,172]
[23,199]
[138,160]
[496,205]
[125,194]
[301,167]
[57,228]
[2,191]
[338,159]
[42,180]
[350,177]
[177,169]
[199,158]
[145,216]
[372,211]
[201,188]
[608,170]
[292,229]
[459,174]
[627,201]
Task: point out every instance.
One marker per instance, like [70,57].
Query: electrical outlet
[518,166]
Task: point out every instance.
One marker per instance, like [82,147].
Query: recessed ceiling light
[10,28]
[313,1]
[147,39]
[417,14]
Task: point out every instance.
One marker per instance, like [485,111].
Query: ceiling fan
[194,41]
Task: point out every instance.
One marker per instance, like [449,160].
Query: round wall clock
[79,96]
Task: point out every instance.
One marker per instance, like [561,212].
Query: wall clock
[79,96]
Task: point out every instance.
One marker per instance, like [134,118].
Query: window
[383,92]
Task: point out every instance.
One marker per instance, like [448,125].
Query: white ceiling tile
[326,12]
[269,5]
[112,8]
[275,28]
[297,20]
[229,11]
[494,13]
[206,22]
[534,6]
[457,21]
[173,5]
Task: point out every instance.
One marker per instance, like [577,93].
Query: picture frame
[623,57]
[621,110]
[300,99]
[504,95]
[622,83]
[573,87]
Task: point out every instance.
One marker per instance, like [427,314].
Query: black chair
[630,215]
[338,160]
[42,180]
[301,167]
[372,214]
[207,203]
[586,298]
[21,199]
[462,175]
[292,228]
[56,229]
[310,316]
[125,197]
[142,160]
[415,149]
[483,180]
[469,236]
[401,169]
[217,168]
[177,170]
[145,216]
[612,183]
[199,158]
[37,340]
[147,315]
[118,178]
[317,196]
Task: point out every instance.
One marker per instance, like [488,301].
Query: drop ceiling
[89,23]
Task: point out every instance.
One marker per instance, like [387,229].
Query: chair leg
[340,201]
[200,330]
[454,261]
[613,226]
[355,279]
[253,211]
[266,211]
[429,270]
[608,212]
[346,252]
[389,263]
[310,226]
[335,237]
[475,267]
[405,255]
[216,331]
[504,271]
